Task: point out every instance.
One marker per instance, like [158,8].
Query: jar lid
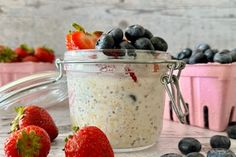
[41,89]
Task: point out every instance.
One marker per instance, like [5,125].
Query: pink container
[12,71]
[209,91]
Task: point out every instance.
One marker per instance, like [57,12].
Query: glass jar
[121,92]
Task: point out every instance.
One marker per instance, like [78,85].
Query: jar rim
[133,55]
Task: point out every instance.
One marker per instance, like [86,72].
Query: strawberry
[34,115]
[31,141]
[44,54]
[88,141]
[7,55]
[30,59]
[80,39]
[23,50]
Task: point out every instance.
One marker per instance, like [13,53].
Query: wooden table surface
[168,142]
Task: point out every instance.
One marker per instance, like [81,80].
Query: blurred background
[182,23]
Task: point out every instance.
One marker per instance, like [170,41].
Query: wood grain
[182,23]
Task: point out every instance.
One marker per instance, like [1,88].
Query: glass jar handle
[171,84]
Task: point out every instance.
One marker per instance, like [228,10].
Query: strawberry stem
[78,27]
[15,122]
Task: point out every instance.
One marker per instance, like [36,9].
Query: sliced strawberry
[30,59]
[69,42]
[84,40]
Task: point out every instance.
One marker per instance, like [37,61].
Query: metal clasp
[171,84]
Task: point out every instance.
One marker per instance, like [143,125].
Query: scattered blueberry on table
[188,145]
[171,155]
[219,141]
[231,131]
[220,152]
[195,154]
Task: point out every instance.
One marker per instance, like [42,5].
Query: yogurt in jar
[123,100]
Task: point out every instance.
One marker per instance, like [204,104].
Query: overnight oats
[124,100]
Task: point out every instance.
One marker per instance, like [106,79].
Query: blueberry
[148,34]
[188,145]
[209,54]
[113,52]
[171,155]
[203,46]
[143,43]
[219,152]
[117,35]
[126,45]
[105,42]
[159,43]
[231,131]
[219,141]
[195,154]
[198,57]
[134,32]
[185,53]
[223,57]
[233,54]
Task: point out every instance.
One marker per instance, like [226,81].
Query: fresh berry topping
[223,57]
[70,45]
[31,141]
[231,131]
[30,59]
[185,53]
[34,115]
[188,145]
[114,53]
[105,42]
[143,43]
[219,141]
[134,32]
[117,35]
[195,154]
[85,143]
[171,155]
[7,55]
[219,152]
[202,46]
[126,45]
[147,34]
[159,44]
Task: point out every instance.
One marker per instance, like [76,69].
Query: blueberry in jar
[159,43]
[148,34]
[219,141]
[134,32]
[195,154]
[231,131]
[143,43]
[223,57]
[126,45]
[188,145]
[117,35]
[209,54]
[220,152]
[105,42]
[203,46]
[198,57]
[171,155]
